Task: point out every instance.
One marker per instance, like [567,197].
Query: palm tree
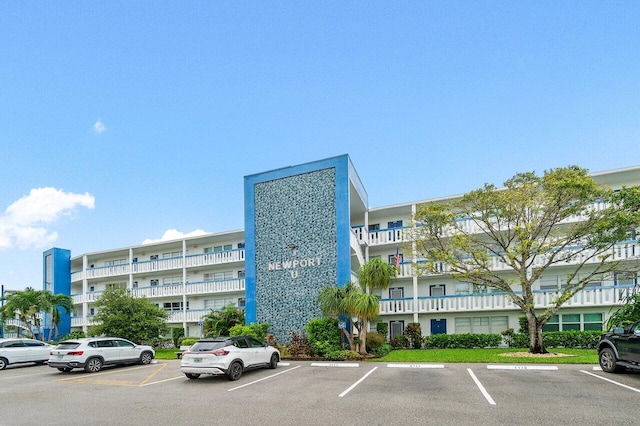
[52,305]
[218,323]
[24,305]
[356,302]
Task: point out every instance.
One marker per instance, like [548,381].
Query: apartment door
[438,326]
[396,329]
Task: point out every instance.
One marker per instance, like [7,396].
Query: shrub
[299,344]
[374,341]
[414,335]
[324,335]
[383,328]
[75,334]
[400,342]
[176,334]
[188,341]
[560,339]
[259,331]
[462,341]
[345,355]
[383,350]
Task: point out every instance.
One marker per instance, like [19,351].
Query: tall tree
[122,315]
[356,301]
[25,305]
[52,304]
[507,238]
[219,322]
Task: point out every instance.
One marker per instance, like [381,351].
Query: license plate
[60,356]
[197,360]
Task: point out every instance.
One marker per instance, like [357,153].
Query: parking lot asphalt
[314,393]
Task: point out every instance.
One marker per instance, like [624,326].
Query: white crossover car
[92,353]
[15,351]
[228,356]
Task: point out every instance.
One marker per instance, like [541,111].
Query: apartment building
[306,227]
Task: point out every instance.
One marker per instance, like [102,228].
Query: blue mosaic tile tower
[297,230]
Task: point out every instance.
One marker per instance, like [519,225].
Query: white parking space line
[335,364]
[357,383]
[522,367]
[482,389]
[162,381]
[415,365]
[612,381]
[264,378]
[597,368]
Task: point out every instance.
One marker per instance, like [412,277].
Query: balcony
[589,297]
[160,265]
[195,288]
[378,237]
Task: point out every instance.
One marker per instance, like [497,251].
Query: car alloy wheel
[3,363]
[608,361]
[146,358]
[93,365]
[235,371]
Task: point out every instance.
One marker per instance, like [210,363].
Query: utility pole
[2,306]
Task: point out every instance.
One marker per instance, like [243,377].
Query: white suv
[227,355]
[92,353]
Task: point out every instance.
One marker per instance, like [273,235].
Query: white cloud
[99,127]
[174,234]
[23,223]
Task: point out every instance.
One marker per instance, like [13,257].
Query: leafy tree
[259,331]
[218,323]
[122,315]
[355,301]
[628,313]
[507,238]
[29,303]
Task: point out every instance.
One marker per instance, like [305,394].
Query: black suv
[620,348]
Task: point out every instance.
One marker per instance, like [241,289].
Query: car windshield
[68,345]
[208,346]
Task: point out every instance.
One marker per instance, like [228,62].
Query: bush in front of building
[342,355]
[324,335]
[374,341]
[383,328]
[75,334]
[559,339]
[188,341]
[462,341]
[259,331]
[299,345]
[414,334]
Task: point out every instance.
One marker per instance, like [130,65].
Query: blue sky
[120,121]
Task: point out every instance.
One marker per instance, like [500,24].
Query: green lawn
[577,356]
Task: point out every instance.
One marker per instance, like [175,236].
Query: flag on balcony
[396,259]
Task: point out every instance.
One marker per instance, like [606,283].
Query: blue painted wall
[57,279]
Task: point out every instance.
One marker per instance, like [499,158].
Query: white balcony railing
[600,296]
[159,265]
[197,288]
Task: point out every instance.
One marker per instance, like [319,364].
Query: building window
[174,306]
[481,325]
[153,257]
[172,281]
[116,262]
[625,278]
[154,282]
[374,227]
[574,322]
[92,311]
[172,254]
[218,304]
[549,282]
[240,245]
[241,302]
[240,274]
